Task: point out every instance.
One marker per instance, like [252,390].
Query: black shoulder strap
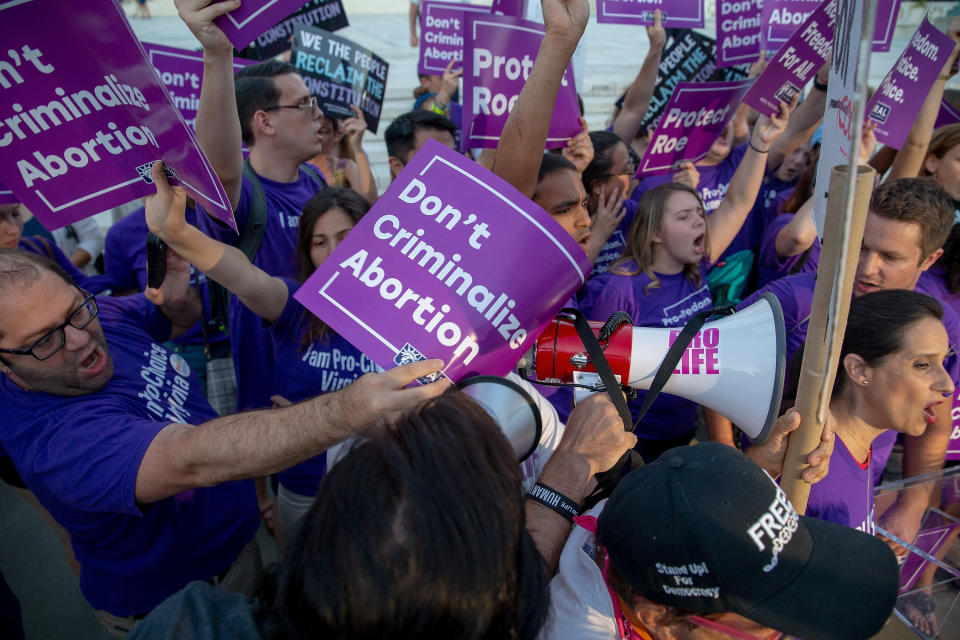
[250,237]
[801,261]
[313,173]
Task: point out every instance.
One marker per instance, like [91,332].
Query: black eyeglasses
[307,104]
[53,340]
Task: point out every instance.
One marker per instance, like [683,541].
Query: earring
[865,382]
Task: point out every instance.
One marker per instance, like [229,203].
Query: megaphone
[734,365]
[511,407]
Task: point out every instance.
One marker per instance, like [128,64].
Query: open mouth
[930,412]
[94,363]
[698,243]
[865,287]
[584,242]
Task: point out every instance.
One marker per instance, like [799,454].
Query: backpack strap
[41,246]
[315,174]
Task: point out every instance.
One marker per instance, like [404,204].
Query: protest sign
[781,18]
[323,14]
[441,34]
[253,17]
[6,195]
[692,121]
[682,14]
[514,8]
[85,116]
[181,72]
[497,58]
[431,270]
[953,448]
[340,73]
[948,115]
[796,62]
[905,87]
[930,539]
[738,31]
[689,58]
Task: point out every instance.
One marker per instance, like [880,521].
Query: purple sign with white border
[897,101]
[253,17]
[498,55]
[181,72]
[431,271]
[781,18]
[953,448]
[738,31]
[690,124]
[6,195]
[681,14]
[441,34]
[948,115]
[92,116]
[796,62]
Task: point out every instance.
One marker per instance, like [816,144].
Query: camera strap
[601,365]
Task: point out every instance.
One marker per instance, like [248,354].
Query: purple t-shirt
[671,304]
[125,261]
[252,350]
[328,364]
[772,267]
[46,248]
[845,495]
[81,455]
[934,282]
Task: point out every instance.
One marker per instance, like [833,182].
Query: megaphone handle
[601,366]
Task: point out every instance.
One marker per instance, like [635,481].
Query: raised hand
[656,34]
[566,19]
[768,129]
[579,149]
[199,16]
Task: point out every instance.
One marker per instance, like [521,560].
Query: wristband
[757,150]
[944,76]
[555,501]
[439,107]
[820,86]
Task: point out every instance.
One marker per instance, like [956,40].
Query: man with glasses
[111,432]
[269,108]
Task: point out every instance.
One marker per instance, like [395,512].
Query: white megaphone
[511,407]
[734,365]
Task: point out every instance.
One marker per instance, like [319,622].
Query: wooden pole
[828,319]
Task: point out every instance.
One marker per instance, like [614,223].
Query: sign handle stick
[822,350]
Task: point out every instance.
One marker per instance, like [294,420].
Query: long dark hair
[418,533]
[351,203]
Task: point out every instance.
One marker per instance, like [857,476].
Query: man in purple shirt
[907,223]
[269,108]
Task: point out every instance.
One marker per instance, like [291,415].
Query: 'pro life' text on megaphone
[734,365]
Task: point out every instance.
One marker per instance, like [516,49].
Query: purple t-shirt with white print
[253,356]
[328,364]
[81,455]
[934,283]
[845,495]
[772,267]
[671,304]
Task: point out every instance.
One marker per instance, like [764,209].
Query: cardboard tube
[816,377]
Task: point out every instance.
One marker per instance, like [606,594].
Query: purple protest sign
[441,34]
[498,55]
[181,72]
[738,31]
[691,122]
[948,115]
[6,195]
[953,448]
[514,8]
[930,541]
[896,103]
[781,18]
[796,62]
[428,271]
[323,14]
[681,14]
[253,17]
[89,115]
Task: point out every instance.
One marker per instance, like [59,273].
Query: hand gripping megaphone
[734,365]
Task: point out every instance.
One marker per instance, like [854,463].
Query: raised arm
[524,135]
[263,294]
[726,221]
[627,124]
[353,129]
[218,123]
[257,443]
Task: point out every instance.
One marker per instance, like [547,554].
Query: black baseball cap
[705,529]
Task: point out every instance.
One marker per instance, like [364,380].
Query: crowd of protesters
[157,428]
